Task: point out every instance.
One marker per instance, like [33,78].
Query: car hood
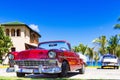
[32,54]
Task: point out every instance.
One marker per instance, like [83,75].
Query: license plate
[110,64]
[52,61]
[27,70]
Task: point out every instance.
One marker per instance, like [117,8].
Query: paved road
[91,73]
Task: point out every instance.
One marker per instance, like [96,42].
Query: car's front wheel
[20,74]
[82,70]
[64,70]
[116,67]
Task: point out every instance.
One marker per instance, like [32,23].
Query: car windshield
[109,57]
[54,45]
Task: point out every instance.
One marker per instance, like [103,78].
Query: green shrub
[0,61]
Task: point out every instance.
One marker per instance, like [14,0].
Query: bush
[0,61]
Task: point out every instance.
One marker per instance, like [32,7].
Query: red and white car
[52,57]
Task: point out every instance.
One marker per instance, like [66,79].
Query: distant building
[23,37]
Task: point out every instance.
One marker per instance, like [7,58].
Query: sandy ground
[91,73]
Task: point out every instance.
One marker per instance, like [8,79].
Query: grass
[13,78]
[4,66]
[16,78]
[93,66]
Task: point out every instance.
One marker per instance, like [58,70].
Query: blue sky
[77,21]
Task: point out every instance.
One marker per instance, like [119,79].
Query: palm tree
[76,48]
[96,57]
[118,51]
[101,42]
[90,53]
[117,26]
[80,48]
[113,43]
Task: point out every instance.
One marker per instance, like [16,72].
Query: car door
[73,59]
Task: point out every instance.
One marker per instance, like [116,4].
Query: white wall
[19,41]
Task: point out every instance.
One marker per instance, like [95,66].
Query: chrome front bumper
[110,64]
[40,69]
[39,66]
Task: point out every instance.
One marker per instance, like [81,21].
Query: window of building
[25,33]
[12,32]
[32,37]
[7,32]
[18,32]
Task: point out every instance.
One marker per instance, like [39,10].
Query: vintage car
[110,61]
[51,57]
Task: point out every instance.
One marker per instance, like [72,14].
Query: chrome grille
[31,63]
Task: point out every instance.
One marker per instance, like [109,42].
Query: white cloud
[34,27]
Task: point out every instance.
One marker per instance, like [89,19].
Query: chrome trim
[40,70]
[44,62]
[53,68]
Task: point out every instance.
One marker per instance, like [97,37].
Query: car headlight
[52,54]
[11,56]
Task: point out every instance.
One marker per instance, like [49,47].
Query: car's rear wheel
[117,67]
[20,74]
[64,70]
[82,70]
[102,67]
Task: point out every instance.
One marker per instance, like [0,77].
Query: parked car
[110,61]
[51,57]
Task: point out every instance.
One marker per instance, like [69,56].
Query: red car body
[56,58]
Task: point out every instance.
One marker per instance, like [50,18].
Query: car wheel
[64,70]
[82,70]
[101,67]
[117,67]
[20,74]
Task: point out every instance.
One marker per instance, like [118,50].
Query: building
[22,36]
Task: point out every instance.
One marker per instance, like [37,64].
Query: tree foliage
[90,53]
[117,26]
[113,43]
[96,57]
[101,42]
[80,48]
[5,42]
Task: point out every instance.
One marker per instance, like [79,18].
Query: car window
[109,57]
[54,45]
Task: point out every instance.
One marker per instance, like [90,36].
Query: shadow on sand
[50,76]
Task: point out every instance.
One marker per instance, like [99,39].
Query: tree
[117,26]
[113,43]
[76,48]
[5,42]
[80,48]
[101,42]
[90,53]
[96,57]
[118,51]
